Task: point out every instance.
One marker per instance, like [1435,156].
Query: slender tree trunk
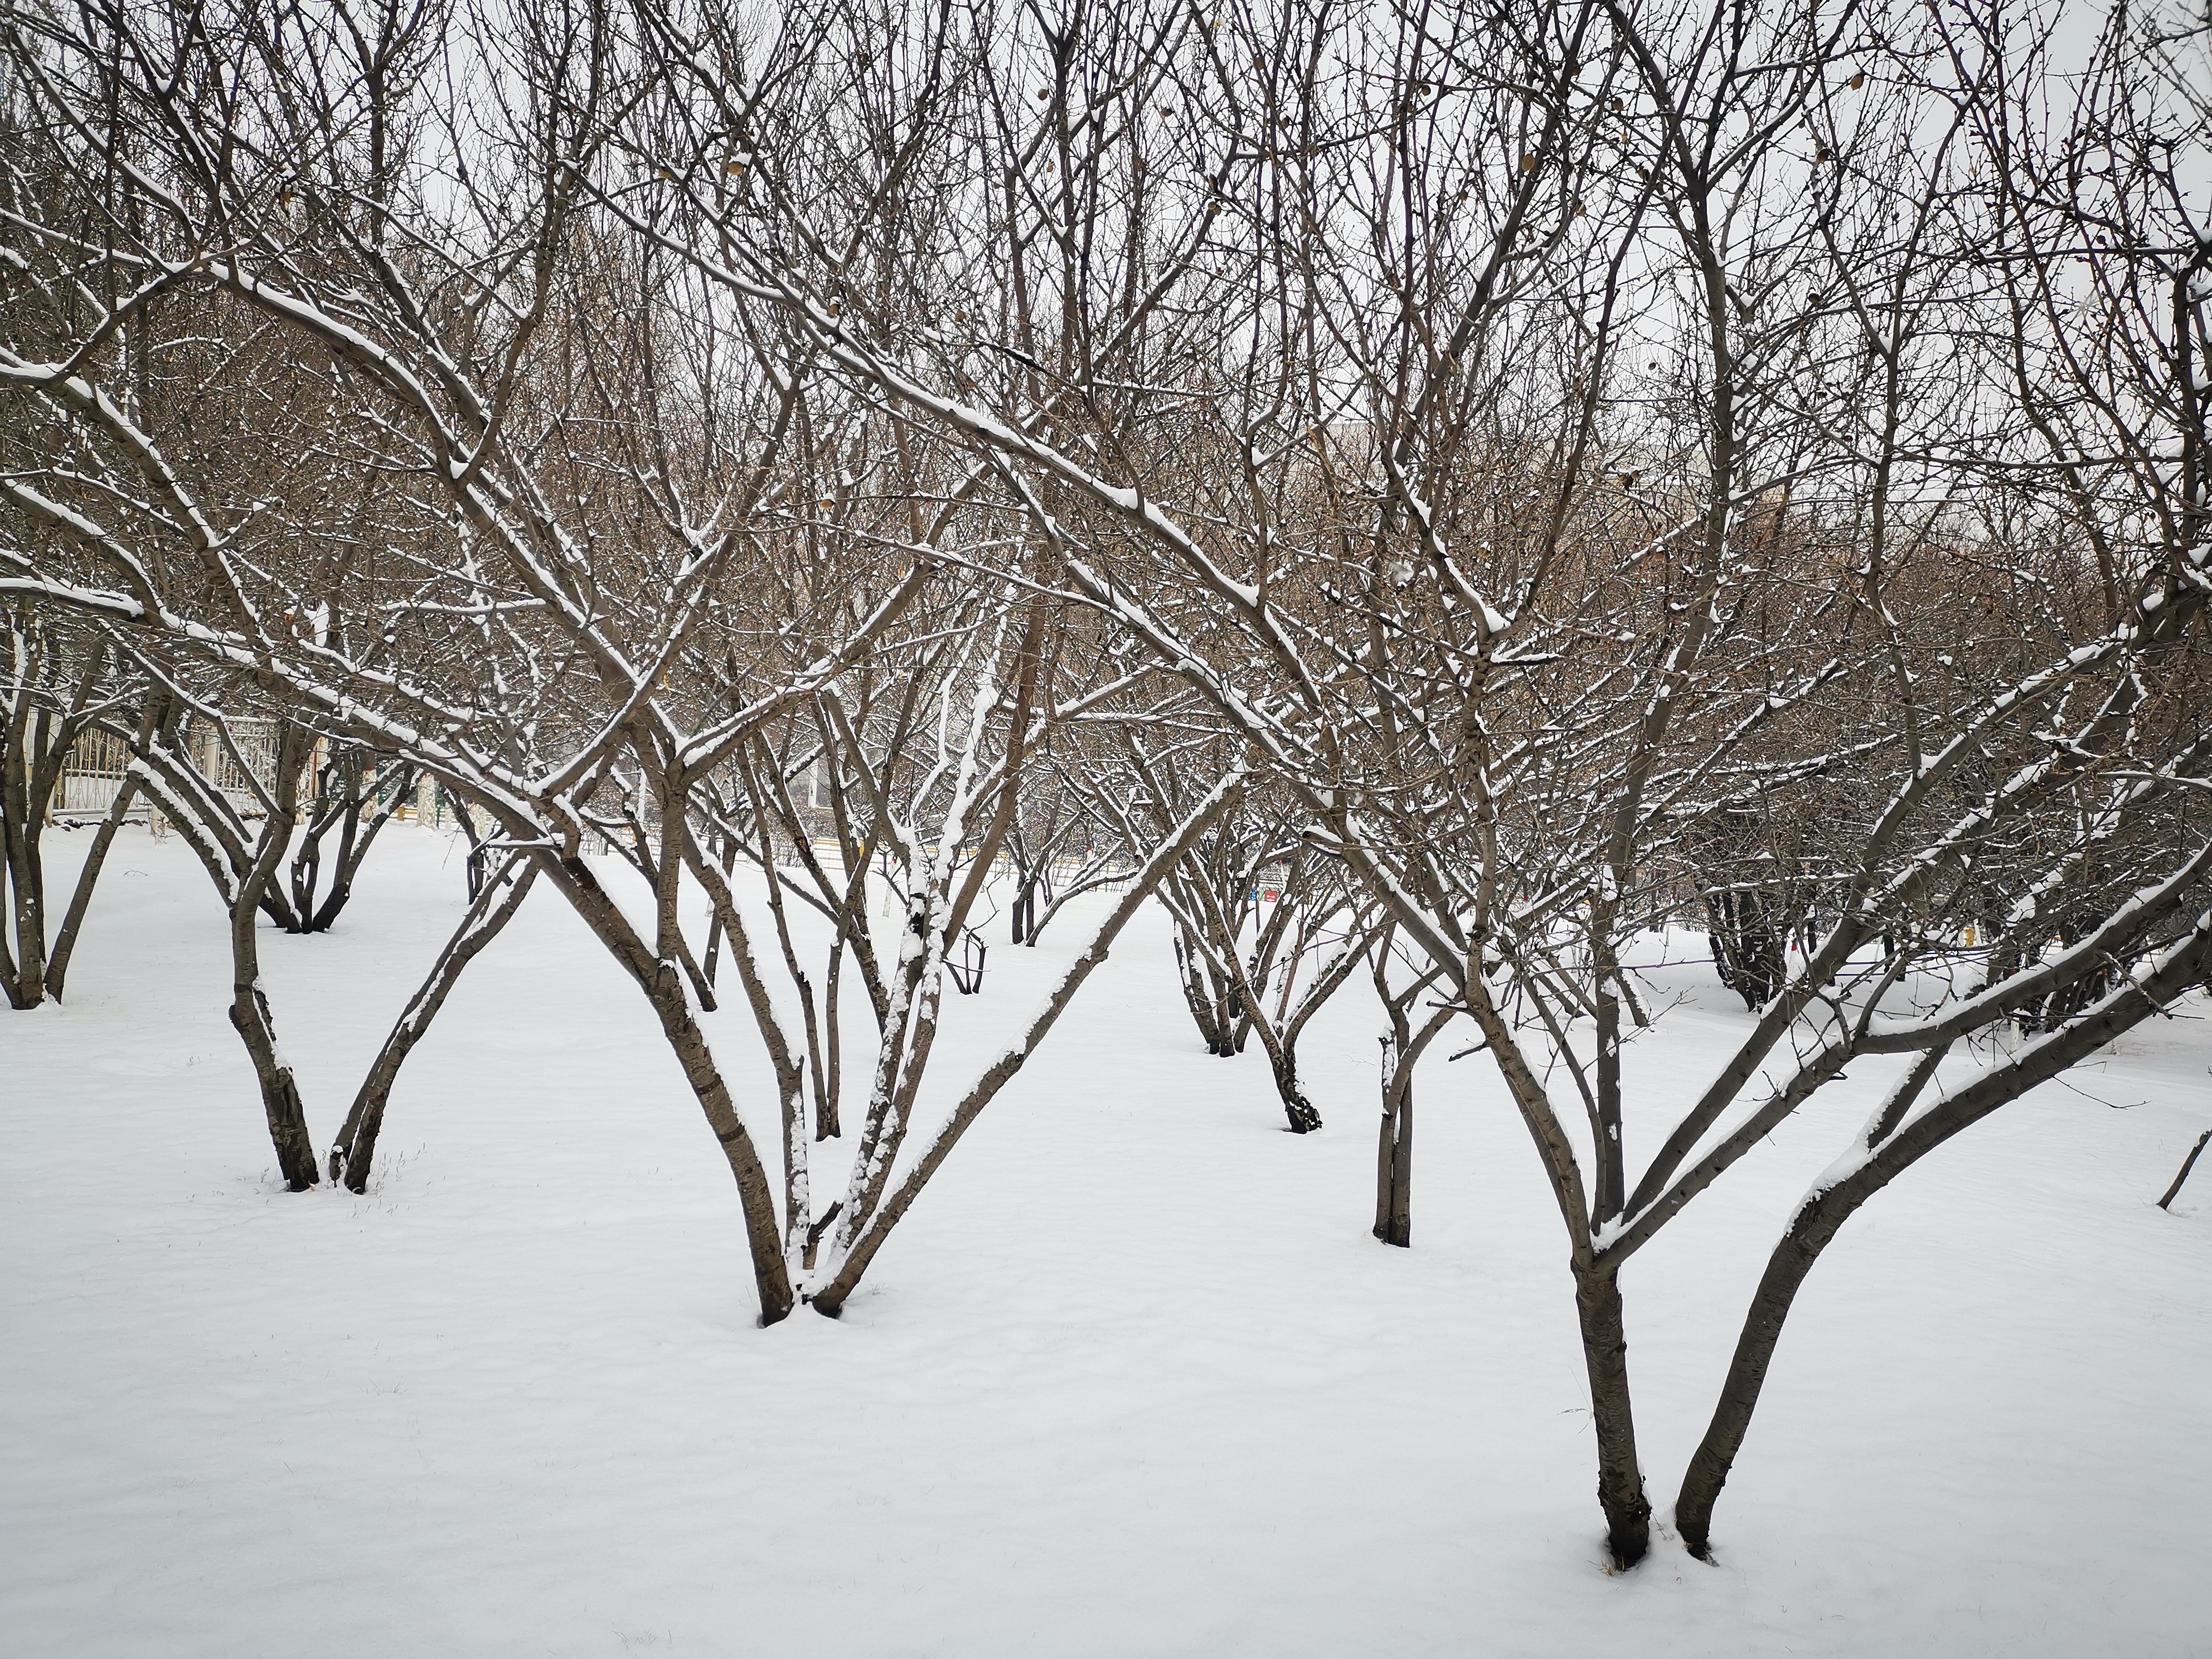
[1401,1171]
[1240,1008]
[280,1091]
[96,859]
[2187,1164]
[1402,1047]
[1385,1135]
[1393,1150]
[857,1251]
[663,985]
[1746,948]
[829,1078]
[1243,1002]
[353,851]
[1786,1268]
[1808,1233]
[1606,1155]
[24,978]
[249,1005]
[1393,1165]
[472,869]
[1620,1475]
[1892,1149]
[1203,1010]
[354,1150]
[362,816]
[771,1278]
[26,984]
[710,961]
[788,1062]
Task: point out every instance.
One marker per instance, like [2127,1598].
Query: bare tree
[62,685]
[1403,1043]
[1580,504]
[1540,467]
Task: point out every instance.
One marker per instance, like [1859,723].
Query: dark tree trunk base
[1393,1173]
[1619,1476]
[280,1098]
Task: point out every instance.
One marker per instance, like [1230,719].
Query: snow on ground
[1132,1379]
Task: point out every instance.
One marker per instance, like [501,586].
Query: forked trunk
[1402,1047]
[23,974]
[1393,1164]
[95,860]
[249,1007]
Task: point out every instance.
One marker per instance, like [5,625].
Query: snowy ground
[1131,1380]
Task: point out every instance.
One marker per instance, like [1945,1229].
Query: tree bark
[663,984]
[381,800]
[22,812]
[1393,1146]
[2187,1164]
[1300,1116]
[1620,1475]
[1786,1268]
[249,1007]
[1394,1167]
[23,976]
[1205,1010]
[1402,1047]
[771,1278]
[96,859]
[786,1061]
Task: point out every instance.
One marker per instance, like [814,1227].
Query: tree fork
[1394,1144]
[249,1005]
